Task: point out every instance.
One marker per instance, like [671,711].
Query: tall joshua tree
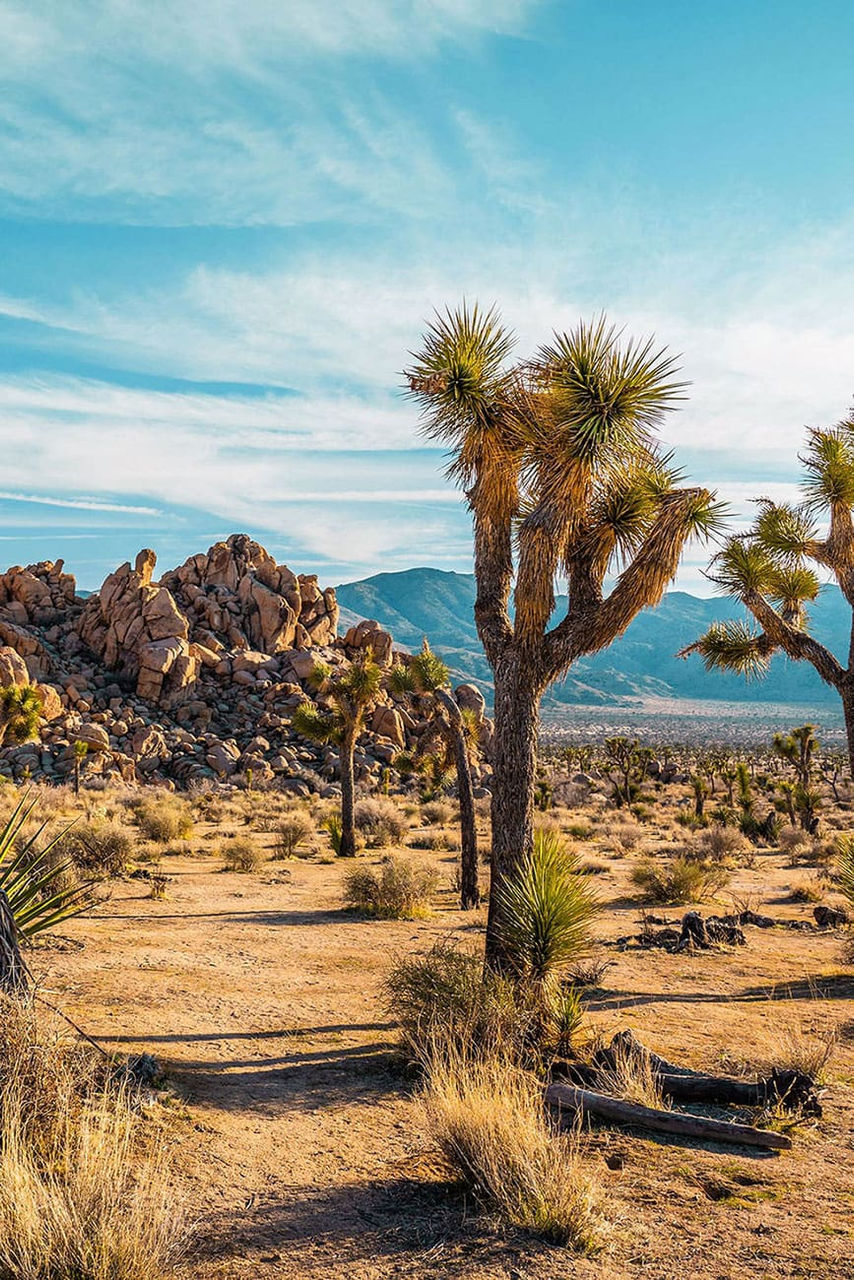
[427,674]
[563,476]
[349,696]
[770,570]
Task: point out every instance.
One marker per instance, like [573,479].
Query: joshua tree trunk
[469,888]
[517,713]
[347,847]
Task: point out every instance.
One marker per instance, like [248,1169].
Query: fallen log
[586,1102]
[794,1089]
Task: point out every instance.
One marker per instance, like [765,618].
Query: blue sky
[224,222]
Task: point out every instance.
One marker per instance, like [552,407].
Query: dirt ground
[300,1151]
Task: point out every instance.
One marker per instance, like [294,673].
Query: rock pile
[193,677]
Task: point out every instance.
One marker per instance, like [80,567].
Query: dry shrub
[806,891]
[631,1077]
[443,996]
[487,1117]
[240,854]
[725,846]
[580,830]
[164,818]
[380,822]
[80,1199]
[679,881]
[437,813]
[797,844]
[629,835]
[396,890]
[292,832]
[435,841]
[98,847]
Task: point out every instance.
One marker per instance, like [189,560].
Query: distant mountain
[640,664]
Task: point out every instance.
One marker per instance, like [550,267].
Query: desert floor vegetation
[351,1095]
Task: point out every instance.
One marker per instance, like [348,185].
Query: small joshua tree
[428,675]
[563,477]
[20,709]
[350,696]
[81,750]
[797,749]
[770,570]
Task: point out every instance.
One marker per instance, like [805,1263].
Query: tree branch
[796,643]
[593,626]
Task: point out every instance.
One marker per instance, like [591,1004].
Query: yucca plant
[564,478]
[845,866]
[31,902]
[547,909]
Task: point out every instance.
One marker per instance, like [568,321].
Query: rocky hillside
[188,677]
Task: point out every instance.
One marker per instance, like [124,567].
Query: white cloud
[225,111]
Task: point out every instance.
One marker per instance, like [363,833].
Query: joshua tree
[561,469]
[797,749]
[428,675]
[81,750]
[770,571]
[20,708]
[349,697]
[631,762]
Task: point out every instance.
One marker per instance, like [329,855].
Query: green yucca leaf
[607,397]
[741,567]
[783,530]
[428,670]
[27,874]
[546,910]
[845,865]
[732,646]
[792,585]
[456,373]
[829,467]
[314,724]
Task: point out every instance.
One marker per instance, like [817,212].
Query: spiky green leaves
[458,371]
[732,646]
[606,396]
[429,671]
[741,567]
[546,910]
[829,469]
[316,725]
[783,530]
[20,709]
[29,876]
[845,865]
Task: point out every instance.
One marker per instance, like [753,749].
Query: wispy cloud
[78,504]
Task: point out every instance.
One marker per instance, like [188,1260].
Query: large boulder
[13,669]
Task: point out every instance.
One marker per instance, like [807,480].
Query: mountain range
[642,664]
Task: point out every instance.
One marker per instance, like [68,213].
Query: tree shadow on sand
[420,1227]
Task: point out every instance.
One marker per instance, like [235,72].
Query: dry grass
[632,1078]
[791,1048]
[380,822]
[80,1199]
[487,1118]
